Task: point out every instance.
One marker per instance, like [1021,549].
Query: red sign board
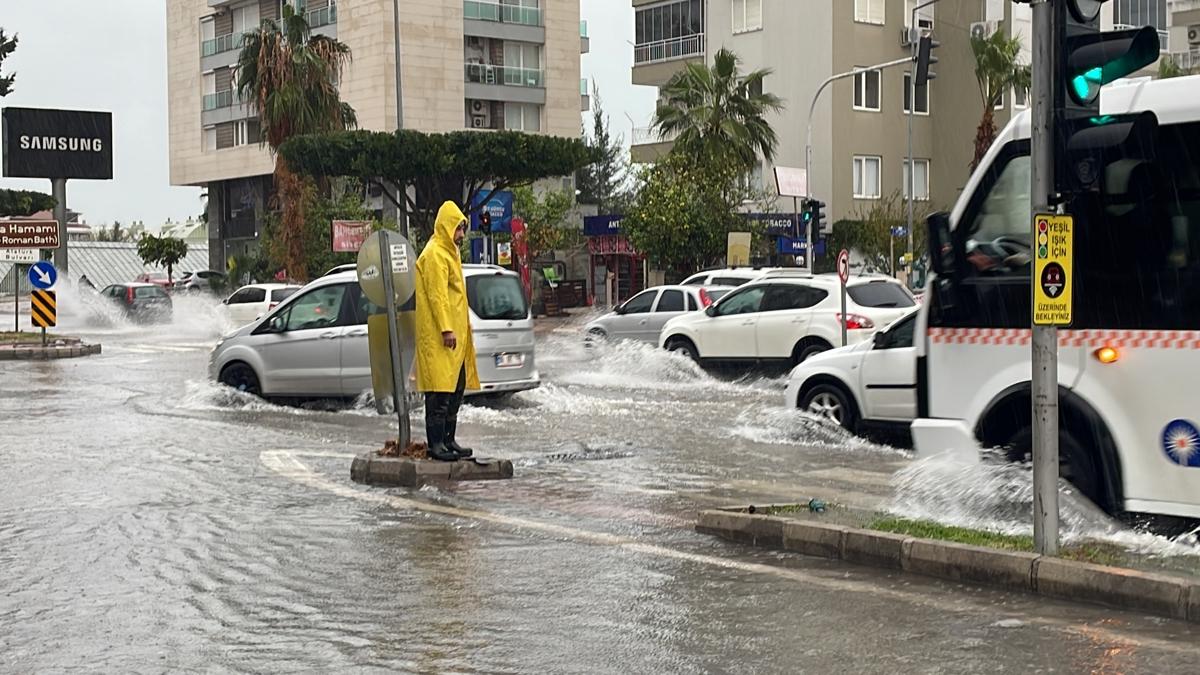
[28,234]
[349,235]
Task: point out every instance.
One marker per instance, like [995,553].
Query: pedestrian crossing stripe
[43,308]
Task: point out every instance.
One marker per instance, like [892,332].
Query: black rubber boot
[452,444]
[435,427]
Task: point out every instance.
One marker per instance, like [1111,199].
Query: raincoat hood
[448,219]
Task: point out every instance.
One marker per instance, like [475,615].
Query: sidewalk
[544,325]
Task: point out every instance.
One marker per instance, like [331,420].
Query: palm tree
[997,70]
[291,75]
[717,112]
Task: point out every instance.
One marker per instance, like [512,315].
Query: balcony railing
[1189,61]
[221,43]
[666,50]
[322,17]
[494,11]
[583,86]
[650,136]
[482,73]
[221,99]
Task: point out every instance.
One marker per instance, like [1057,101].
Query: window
[866,177]
[247,295]
[866,90]
[210,138]
[682,20]
[880,294]
[920,179]
[640,303]
[280,294]
[496,296]
[696,280]
[239,133]
[1020,97]
[744,301]
[245,18]
[924,15]
[791,296]
[1004,212]
[1000,102]
[319,308]
[747,15]
[729,281]
[671,301]
[522,116]
[922,96]
[869,11]
[149,292]
[691,304]
[522,55]
[899,334]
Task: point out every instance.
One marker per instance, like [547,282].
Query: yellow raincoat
[442,306]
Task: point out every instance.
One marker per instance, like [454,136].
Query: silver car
[314,344]
[642,317]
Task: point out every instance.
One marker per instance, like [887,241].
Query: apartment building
[860,124]
[429,65]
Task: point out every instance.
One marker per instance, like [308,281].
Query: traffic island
[28,346]
[1134,590]
[412,468]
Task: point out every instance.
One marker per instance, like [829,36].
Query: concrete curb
[1118,587]
[372,469]
[49,352]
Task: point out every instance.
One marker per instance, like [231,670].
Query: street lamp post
[812,108]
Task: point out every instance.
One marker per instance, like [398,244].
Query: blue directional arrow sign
[900,231]
[43,275]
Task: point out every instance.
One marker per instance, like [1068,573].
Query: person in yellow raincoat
[445,350]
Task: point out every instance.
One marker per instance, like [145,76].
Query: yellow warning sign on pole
[43,307]
[1053,276]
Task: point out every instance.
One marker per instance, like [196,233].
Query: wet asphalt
[151,521]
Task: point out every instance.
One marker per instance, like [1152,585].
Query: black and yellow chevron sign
[44,306]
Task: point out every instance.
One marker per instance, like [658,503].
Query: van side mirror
[941,244]
[880,340]
[276,324]
[711,310]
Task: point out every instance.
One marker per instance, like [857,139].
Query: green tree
[453,166]
[24,202]
[545,218]
[162,251]
[290,75]
[718,114]
[997,70]
[869,234]
[684,211]
[344,202]
[1168,67]
[602,182]
[7,47]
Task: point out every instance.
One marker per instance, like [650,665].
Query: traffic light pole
[1045,338]
[912,107]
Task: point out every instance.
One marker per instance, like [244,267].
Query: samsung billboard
[45,143]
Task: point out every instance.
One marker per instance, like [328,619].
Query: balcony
[494,11]
[585,95]
[221,99]
[512,76]
[1188,61]
[647,145]
[221,43]
[585,43]
[655,63]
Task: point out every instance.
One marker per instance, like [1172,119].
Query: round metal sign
[843,265]
[402,262]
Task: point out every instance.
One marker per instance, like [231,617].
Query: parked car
[642,317]
[201,280]
[786,317]
[140,301]
[873,382]
[159,279]
[731,276]
[347,267]
[250,302]
[314,344]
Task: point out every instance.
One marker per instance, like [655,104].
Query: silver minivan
[315,343]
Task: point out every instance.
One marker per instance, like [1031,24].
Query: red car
[157,278]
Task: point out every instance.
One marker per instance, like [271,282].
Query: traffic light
[485,222]
[813,214]
[1087,143]
[925,58]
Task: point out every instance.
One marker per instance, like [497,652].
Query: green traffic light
[1087,85]
[1096,60]
[806,216]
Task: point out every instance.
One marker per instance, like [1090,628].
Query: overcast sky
[111,55]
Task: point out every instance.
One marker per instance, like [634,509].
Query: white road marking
[286,464]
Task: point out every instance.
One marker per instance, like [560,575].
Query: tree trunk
[289,190]
[985,135]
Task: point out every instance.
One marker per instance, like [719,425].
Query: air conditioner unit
[481,120]
[479,108]
[909,36]
[1194,36]
[984,29]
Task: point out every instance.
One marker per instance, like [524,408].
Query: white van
[1129,411]
[314,344]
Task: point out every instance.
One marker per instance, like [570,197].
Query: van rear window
[496,296]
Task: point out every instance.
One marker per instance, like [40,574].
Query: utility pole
[912,107]
[1045,338]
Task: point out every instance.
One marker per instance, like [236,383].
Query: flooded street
[151,521]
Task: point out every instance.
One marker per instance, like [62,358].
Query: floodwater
[151,521]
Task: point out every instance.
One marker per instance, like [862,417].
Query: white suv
[731,276]
[786,318]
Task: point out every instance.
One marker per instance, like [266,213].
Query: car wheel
[684,346]
[811,349]
[597,335]
[241,377]
[1076,465]
[831,402]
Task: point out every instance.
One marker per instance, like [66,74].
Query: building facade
[860,124]
[428,65]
